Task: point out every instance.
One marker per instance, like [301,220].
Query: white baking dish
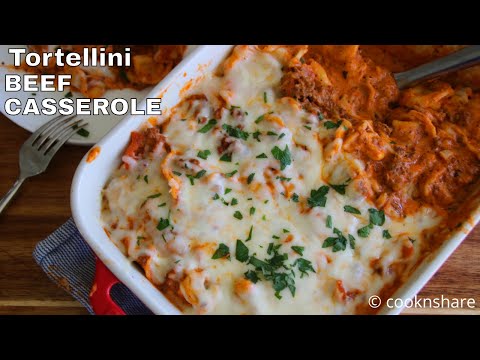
[90,179]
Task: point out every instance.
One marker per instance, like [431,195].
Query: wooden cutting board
[44,204]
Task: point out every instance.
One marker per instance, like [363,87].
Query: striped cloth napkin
[69,262]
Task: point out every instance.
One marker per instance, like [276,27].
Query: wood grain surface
[43,204]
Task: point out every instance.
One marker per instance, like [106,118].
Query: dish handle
[100,298]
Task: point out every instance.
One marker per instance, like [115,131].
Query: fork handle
[8,198]
[466,57]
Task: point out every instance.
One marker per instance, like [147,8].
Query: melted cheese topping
[171,210]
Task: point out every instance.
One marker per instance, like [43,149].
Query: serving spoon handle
[466,57]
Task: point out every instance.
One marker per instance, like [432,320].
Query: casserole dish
[96,168]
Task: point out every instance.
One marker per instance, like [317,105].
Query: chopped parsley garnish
[318,197]
[266,201]
[340,188]
[234,202]
[162,205]
[252,276]
[230,174]
[265,97]
[209,126]
[295,197]
[332,125]
[282,178]
[252,210]
[320,116]
[307,127]
[303,266]
[154,196]
[298,249]
[271,133]
[272,248]
[281,136]
[285,231]
[284,156]
[364,231]
[256,135]
[222,252]
[163,224]
[235,132]
[216,197]
[83,133]
[338,243]
[241,251]
[329,222]
[264,218]
[351,241]
[227,190]
[262,156]
[377,217]
[276,237]
[249,234]
[203,154]
[282,281]
[238,215]
[351,209]
[276,270]
[386,234]
[260,119]
[226,157]
[177,173]
[250,178]
[145,178]
[197,176]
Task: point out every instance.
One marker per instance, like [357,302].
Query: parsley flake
[163,224]
[298,249]
[238,215]
[284,156]
[203,154]
[318,197]
[351,209]
[222,252]
[209,126]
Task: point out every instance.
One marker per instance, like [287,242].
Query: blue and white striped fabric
[68,261]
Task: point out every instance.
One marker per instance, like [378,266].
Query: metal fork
[39,149]
[464,58]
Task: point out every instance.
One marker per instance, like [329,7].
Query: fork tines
[56,132]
